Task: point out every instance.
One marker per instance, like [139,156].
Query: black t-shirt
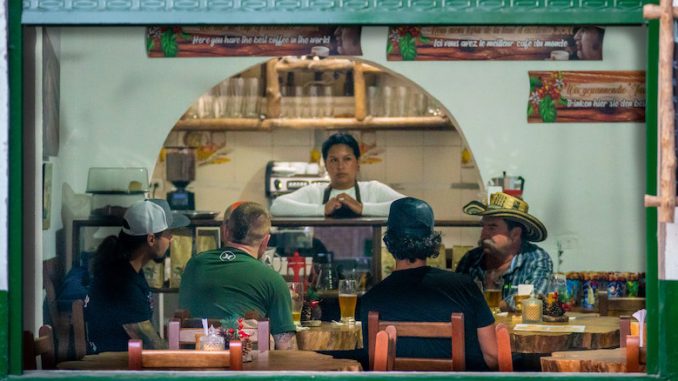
[430,294]
[119,298]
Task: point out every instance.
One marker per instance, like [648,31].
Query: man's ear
[263,246]
[224,233]
[516,232]
[150,239]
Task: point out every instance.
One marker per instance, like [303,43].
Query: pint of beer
[348,296]
[493,297]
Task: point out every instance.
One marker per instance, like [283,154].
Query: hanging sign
[586,96]
[233,41]
[509,43]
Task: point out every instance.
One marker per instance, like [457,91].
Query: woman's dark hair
[115,251]
[341,138]
[404,247]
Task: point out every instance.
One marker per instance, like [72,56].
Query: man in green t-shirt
[233,279]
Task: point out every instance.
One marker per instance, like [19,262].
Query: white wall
[585,181]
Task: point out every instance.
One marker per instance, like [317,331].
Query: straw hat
[512,208]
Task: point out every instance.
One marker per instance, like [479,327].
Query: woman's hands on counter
[340,200]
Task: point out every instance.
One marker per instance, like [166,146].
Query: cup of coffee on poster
[320,51]
[560,55]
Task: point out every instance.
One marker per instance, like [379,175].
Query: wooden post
[359,91]
[272,89]
[667,158]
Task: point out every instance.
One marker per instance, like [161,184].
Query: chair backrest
[139,358]
[385,349]
[632,353]
[504,356]
[42,346]
[79,331]
[454,329]
[618,306]
[624,329]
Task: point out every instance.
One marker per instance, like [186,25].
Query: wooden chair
[618,306]
[632,354]
[42,346]
[139,358]
[504,356]
[453,330]
[385,349]
[79,331]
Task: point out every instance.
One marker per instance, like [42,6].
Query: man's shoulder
[530,249]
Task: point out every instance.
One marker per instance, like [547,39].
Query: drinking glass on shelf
[251,98]
[236,89]
[348,297]
[328,102]
[314,101]
[387,99]
[297,295]
[401,101]
[206,106]
[298,102]
[373,101]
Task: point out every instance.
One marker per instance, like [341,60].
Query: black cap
[411,217]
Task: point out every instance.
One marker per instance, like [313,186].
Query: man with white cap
[505,257]
[119,293]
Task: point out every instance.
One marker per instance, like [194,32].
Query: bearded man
[505,256]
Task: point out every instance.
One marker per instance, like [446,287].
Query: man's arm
[306,201]
[487,338]
[541,271]
[286,341]
[377,198]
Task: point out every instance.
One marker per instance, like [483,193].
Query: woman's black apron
[344,211]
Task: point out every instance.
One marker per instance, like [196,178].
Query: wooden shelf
[369,123]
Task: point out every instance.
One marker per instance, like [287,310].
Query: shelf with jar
[331,93]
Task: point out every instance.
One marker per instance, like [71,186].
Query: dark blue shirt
[121,298]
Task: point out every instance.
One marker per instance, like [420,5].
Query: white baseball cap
[144,217]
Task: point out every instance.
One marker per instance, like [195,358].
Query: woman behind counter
[345,197]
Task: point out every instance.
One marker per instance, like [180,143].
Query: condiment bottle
[532,309]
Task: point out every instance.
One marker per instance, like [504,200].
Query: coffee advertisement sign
[234,41]
[586,96]
[508,43]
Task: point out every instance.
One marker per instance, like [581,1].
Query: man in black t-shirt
[417,292]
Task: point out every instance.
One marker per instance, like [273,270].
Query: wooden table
[331,337]
[267,361]
[601,332]
[599,360]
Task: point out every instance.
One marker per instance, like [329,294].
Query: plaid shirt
[532,265]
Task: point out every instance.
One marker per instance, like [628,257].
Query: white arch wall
[585,181]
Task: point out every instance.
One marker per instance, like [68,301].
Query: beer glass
[297,295]
[493,297]
[348,296]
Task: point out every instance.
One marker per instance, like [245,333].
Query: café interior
[122,115]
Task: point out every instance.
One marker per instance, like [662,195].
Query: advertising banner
[586,96]
[234,41]
[509,43]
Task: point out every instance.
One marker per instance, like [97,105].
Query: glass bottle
[532,309]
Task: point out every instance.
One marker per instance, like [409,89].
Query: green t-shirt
[235,280]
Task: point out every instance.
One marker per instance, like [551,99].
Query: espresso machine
[180,171]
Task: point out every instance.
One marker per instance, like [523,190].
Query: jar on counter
[589,291]
[632,284]
[532,309]
[573,282]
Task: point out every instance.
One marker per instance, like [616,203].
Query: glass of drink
[493,297]
[348,296]
[297,295]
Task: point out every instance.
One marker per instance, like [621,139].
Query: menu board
[586,96]
[446,43]
[232,41]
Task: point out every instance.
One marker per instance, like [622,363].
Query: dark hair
[404,247]
[248,223]
[341,138]
[115,251]
[510,224]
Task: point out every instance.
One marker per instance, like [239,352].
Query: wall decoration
[50,96]
[519,43]
[586,96]
[233,41]
[46,195]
